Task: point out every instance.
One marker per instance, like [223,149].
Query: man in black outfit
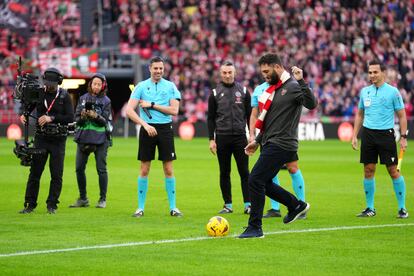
[54,110]
[228,113]
[282,107]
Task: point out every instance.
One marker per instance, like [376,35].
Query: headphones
[53,75]
[102,78]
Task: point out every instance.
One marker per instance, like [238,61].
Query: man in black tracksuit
[279,141]
[55,108]
[228,113]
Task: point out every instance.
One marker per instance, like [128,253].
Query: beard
[274,78]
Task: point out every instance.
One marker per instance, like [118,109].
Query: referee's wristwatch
[404,135]
[152,104]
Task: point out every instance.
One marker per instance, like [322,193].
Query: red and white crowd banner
[72,62]
[60,58]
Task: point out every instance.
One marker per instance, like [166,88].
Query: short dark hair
[270,59]
[376,62]
[227,63]
[156,59]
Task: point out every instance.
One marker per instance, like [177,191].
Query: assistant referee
[378,105]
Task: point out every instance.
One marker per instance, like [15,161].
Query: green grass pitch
[333,179]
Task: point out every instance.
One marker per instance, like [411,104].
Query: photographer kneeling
[93,119]
[53,110]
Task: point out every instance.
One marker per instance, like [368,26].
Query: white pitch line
[339,228]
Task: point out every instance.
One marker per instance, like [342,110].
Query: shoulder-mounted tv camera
[29,89]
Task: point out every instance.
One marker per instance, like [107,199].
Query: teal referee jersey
[379,105]
[257,92]
[160,93]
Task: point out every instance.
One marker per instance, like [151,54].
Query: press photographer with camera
[53,111]
[93,119]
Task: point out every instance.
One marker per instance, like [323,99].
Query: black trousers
[271,159]
[55,149]
[228,145]
[100,158]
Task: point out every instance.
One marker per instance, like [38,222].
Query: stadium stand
[331,40]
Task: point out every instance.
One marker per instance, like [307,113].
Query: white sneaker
[101,204]
[176,213]
[138,213]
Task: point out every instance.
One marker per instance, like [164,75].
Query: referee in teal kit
[377,106]
[158,100]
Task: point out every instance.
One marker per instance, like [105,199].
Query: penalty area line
[311,230]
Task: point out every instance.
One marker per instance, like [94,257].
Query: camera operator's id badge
[367,102]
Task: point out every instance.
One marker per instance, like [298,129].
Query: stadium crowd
[53,23]
[330,39]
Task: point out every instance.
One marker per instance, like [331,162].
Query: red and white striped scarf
[265,100]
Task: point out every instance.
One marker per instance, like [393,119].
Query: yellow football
[217,227]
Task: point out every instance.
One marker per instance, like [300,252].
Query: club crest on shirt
[283,92]
[238,97]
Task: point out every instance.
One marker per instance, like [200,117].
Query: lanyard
[52,103]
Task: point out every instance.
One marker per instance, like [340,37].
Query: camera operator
[54,109]
[93,118]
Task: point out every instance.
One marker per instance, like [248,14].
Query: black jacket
[282,119]
[61,110]
[228,110]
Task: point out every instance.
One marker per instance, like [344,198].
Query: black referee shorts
[164,141]
[380,143]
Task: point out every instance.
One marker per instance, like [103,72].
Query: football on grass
[217,227]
